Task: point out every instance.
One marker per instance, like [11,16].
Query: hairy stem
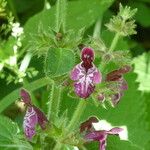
[61,15]
[97,29]
[114,42]
[57,146]
[51,100]
[77,114]
[13,96]
[54,101]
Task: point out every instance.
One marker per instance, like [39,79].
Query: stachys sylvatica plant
[83,69]
[86,70]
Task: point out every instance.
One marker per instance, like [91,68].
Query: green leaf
[14,95]
[76,16]
[142,69]
[9,138]
[59,61]
[8,129]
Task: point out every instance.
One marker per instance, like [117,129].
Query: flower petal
[30,121]
[25,96]
[102,145]
[115,131]
[42,120]
[97,76]
[123,84]
[76,72]
[115,98]
[87,125]
[84,90]
[85,80]
[102,125]
[96,136]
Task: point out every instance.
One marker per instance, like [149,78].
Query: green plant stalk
[114,42]
[61,15]
[51,101]
[97,29]
[54,101]
[58,100]
[77,114]
[57,146]
[13,96]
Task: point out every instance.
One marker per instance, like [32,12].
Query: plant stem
[51,99]
[77,114]
[54,101]
[57,146]
[13,96]
[97,29]
[58,100]
[61,15]
[114,42]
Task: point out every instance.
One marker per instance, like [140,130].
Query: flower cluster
[85,74]
[120,85]
[123,24]
[32,117]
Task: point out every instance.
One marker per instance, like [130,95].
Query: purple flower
[101,136]
[32,117]
[87,125]
[85,74]
[117,76]
[102,130]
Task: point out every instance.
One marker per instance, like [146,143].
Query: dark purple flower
[102,130]
[101,97]
[85,74]
[87,125]
[32,117]
[101,136]
[117,76]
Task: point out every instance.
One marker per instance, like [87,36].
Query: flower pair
[98,130]
[32,117]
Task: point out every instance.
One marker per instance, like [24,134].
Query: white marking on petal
[123,135]
[102,125]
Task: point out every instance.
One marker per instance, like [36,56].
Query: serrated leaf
[142,69]
[76,16]
[59,61]
[8,129]
[9,138]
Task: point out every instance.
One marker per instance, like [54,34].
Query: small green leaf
[142,69]
[9,138]
[59,61]
[8,129]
